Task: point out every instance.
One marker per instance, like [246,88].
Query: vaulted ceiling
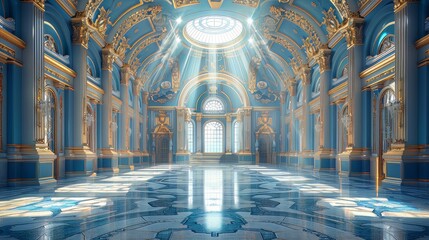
[282,34]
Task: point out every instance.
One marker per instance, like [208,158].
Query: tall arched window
[387,119]
[345,123]
[50,120]
[90,133]
[213,105]
[190,136]
[213,137]
[236,137]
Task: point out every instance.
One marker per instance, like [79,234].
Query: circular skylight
[213,30]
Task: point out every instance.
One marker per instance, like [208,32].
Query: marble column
[137,157]
[324,159]
[182,154]
[402,164]
[246,153]
[145,130]
[30,162]
[306,159]
[228,134]
[108,157]
[240,130]
[125,156]
[80,160]
[199,133]
[293,157]
[283,129]
[355,161]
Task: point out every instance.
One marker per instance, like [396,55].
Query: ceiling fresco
[263,43]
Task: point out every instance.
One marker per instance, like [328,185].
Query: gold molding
[376,67]
[95,87]
[423,62]
[58,65]
[55,76]
[422,42]
[12,38]
[338,88]
[390,71]
[7,49]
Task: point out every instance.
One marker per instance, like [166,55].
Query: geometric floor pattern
[215,202]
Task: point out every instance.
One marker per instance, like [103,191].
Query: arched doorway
[386,129]
[265,140]
[162,140]
[162,148]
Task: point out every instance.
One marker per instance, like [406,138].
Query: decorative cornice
[58,65]
[400,4]
[12,38]
[378,66]
[338,88]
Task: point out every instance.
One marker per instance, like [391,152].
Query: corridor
[215,202]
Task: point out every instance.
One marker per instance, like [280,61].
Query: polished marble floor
[215,202]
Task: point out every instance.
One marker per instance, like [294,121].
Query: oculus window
[214,31]
[213,137]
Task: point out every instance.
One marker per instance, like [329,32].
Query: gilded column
[228,133]
[199,129]
[180,128]
[182,154]
[405,149]
[108,158]
[30,162]
[283,130]
[145,130]
[240,130]
[307,153]
[247,122]
[325,158]
[137,158]
[293,158]
[125,156]
[355,161]
[79,158]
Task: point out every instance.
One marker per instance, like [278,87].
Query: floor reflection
[224,202]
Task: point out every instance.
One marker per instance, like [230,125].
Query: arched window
[190,136]
[345,124]
[236,137]
[388,105]
[213,137]
[90,133]
[50,120]
[114,129]
[387,43]
[213,105]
